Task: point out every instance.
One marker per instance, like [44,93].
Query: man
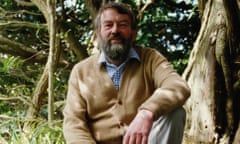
[125,94]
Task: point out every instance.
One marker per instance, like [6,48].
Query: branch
[16,24]
[5,13]
[15,98]
[42,6]
[80,50]
[16,46]
[11,47]
[6,117]
[24,3]
[140,14]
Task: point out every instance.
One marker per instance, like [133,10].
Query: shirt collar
[131,55]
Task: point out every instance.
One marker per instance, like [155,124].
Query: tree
[49,12]
[213,75]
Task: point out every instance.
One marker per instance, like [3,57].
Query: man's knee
[168,129]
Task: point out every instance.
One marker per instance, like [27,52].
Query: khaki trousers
[168,129]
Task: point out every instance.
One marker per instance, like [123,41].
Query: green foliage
[17,83]
[42,132]
[7,4]
[10,63]
[81,22]
[16,86]
[13,73]
[15,13]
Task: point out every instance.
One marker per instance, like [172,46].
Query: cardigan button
[120,123]
[119,102]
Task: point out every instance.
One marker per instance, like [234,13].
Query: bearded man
[125,94]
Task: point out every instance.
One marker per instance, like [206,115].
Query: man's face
[116,35]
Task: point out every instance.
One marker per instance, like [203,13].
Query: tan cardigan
[96,113]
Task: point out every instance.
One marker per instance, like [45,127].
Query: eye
[124,24]
[107,25]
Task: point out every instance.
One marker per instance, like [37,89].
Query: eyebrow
[120,21]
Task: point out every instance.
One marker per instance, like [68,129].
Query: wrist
[147,113]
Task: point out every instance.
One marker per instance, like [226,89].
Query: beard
[115,51]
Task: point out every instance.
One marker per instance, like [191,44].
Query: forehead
[111,14]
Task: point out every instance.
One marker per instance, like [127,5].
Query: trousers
[168,129]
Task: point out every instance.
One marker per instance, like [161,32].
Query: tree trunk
[40,91]
[212,74]
[52,60]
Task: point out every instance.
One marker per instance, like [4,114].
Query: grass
[40,132]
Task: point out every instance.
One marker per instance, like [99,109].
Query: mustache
[112,36]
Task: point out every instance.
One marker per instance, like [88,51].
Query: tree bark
[52,61]
[211,74]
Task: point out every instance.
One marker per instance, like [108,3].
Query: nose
[115,29]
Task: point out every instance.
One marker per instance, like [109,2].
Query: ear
[96,33]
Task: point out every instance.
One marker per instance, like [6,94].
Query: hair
[120,8]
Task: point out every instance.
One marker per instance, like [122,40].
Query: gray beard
[117,52]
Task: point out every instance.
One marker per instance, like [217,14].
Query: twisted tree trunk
[212,73]
[40,91]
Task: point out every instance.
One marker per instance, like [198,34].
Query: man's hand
[138,130]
